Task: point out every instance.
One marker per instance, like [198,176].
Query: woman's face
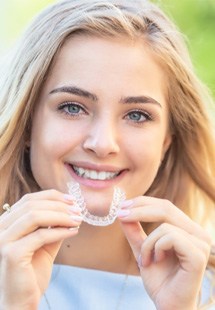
[101,119]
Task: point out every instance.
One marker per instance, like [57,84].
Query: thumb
[135,236]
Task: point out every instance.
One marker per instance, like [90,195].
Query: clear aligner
[118,197]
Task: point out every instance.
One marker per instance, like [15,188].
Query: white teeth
[94,175]
[101,175]
[81,171]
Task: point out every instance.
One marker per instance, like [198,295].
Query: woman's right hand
[28,248]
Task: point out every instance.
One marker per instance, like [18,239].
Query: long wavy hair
[187,174]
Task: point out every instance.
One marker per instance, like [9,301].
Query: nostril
[102,145]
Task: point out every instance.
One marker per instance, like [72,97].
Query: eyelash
[62,108]
[147,116]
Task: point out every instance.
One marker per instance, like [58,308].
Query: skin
[102,132]
[111,131]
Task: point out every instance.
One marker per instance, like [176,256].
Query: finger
[51,195]
[159,241]
[35,219]
[135,236]
[155,210]
[27,246]
[8,219]
[188,254]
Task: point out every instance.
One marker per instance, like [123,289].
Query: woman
[103,94]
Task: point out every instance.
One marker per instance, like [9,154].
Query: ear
[27,144]
[166,144]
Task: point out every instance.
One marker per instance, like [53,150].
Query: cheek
[145,154]
[146,146]
[53,137]
[146,160]
[49,142]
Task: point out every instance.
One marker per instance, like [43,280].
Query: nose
[102,139]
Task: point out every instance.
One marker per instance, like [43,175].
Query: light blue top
[73,288]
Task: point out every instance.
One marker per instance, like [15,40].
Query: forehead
[96,48]
[117,62]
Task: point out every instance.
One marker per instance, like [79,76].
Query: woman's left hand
[173,257]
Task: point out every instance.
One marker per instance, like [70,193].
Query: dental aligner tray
[118,196]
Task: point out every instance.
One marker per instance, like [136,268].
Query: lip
[98,184]
[96,167]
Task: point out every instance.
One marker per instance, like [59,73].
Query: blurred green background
[195,18]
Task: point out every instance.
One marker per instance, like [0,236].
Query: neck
[102,248]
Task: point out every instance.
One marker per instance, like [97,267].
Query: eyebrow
[140,99]
[75,91]
[86,94]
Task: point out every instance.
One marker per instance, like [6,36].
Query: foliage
[195,18]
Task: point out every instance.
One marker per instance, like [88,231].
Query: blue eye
[73,109]
[138,116]
[70,108]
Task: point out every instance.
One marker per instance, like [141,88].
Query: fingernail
[77,218]
[74,228]
[139,261]
[75,209]
[68,198]
[126,203]
[123,213]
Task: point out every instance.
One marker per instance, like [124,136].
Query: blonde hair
[186,176]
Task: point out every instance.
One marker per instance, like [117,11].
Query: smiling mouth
[95,175]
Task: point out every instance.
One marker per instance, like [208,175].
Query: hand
[28,248]
[173,257]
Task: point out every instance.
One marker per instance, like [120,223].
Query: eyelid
[61,108]
[148,115]
[68,103]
